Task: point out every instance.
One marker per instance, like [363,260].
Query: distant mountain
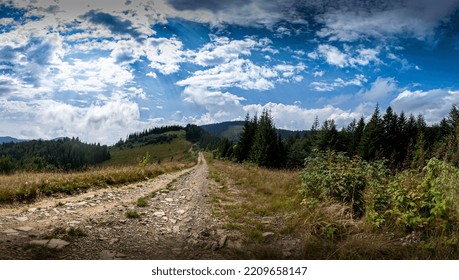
[8,139]
[232,129]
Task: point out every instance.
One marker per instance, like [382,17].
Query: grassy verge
[265,207]
[27,186]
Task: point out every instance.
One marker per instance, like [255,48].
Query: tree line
[62,154]
[149,136]
[402,141]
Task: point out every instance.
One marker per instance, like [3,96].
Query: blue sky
[102,69]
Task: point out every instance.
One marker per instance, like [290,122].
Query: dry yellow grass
[26,186]
[257,200]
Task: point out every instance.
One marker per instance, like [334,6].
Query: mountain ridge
[9,139]
[232,129]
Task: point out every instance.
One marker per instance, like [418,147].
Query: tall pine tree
[371,143]
[265,149]
[246,138]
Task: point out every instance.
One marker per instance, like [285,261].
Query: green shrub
[333,175]
[142,202]
[76,232]
[132,215]
[418,201]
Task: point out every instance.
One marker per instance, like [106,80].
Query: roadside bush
[334,176]
[414,201]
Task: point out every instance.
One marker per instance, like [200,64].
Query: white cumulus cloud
[432,104]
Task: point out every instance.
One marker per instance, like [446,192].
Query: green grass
[142,202]
[76,232]
[176,150]
[132,214]
[252,193]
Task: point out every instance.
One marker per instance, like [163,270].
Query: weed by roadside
[132,214]
[142,202]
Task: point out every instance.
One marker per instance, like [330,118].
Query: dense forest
[402,141]
[149,136]
[61,154]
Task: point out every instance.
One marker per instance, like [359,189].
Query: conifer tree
[371,142]
[265,148]
[246,138]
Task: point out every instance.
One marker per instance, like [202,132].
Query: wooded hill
[61,154]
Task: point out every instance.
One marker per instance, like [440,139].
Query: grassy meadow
[176,150]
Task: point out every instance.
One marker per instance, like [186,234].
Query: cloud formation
[380,90]
[150,62]
[335,57]
[113,23]
[433,104]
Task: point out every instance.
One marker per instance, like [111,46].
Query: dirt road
[177,223]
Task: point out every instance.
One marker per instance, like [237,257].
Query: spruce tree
[246,139]
[265,148]
[371,143]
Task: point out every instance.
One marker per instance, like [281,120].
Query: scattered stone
[21,219]
[268,234]
[214,246]
[266,220]
[173,221]
[175,229]
[120,256]
[180,212]
[159,214]
[10,232]
[287,254]
[52,244]
[57,243]
[107,255]
[113,241]
[42,242]
[81,203]
[168,199]
[24,229]
[31,210]
[234,244]
[222,241]
[205,233]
